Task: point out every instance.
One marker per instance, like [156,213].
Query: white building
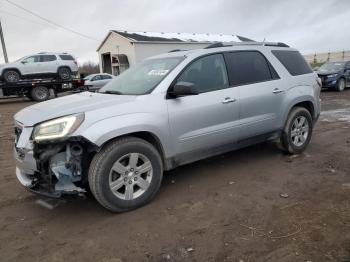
[121,49]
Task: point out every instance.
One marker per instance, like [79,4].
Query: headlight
[332,75]
[57,128]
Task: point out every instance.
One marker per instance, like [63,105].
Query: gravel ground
[255,204]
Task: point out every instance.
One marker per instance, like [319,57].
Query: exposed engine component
[66,166]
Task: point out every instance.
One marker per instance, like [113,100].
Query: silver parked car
[164,112]
[96,81]
[40,65]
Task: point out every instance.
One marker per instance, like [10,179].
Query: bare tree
[88,68]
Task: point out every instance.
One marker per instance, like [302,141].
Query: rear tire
[125,174]
[297,132]
[11,76]
[65,73]
[341,85]
[40,93]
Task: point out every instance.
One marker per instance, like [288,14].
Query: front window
[142,78]
[206,74]
[32,59]
[96,78]
[332,67]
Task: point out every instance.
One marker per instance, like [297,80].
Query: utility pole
[3,44]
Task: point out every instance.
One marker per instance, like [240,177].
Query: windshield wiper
[113,92]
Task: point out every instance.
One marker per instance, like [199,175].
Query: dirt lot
[254,204]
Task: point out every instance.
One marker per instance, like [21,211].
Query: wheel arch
[63,66]
[147,136]
[11,68]
[307,105]
[306,102]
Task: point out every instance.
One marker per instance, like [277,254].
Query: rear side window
[206,74]
[293,61]
[47,58]
[67,57]
[106,77]
[247,67]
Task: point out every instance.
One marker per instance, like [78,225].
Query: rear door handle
[228,100]
[277,91]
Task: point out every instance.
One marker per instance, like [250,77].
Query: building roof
[154,37]
[180,37]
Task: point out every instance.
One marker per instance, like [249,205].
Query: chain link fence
[320,58]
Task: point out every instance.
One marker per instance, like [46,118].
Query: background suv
[164,112]
[40,65]
[335,75]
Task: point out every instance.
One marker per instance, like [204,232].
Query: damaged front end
[49,159]
[60,169]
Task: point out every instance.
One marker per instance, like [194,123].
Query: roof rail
[220,44]
[215,45]
[279,44]
[176,50]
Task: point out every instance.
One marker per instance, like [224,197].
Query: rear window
[66,57]
[293,61]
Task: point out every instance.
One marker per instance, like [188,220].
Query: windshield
[143,77]
[88,77]
[332,67]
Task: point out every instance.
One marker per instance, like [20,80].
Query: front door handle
[277,91]
[228,100]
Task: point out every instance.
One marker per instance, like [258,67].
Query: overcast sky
[311,26]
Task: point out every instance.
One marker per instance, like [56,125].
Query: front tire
[11,76]
[297,132]
[125,174]
[341,85]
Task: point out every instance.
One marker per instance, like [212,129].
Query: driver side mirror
[182,89]
[24,62]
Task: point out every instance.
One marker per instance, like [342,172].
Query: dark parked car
[335,75]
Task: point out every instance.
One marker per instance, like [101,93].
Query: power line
[25,19]
[49,21]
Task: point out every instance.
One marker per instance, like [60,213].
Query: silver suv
[164,112]
[40,65]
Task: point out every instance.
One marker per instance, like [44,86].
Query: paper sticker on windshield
[158,72]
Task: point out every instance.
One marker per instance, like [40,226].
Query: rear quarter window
[67,57]
[293,61]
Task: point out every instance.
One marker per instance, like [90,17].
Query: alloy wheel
[299,131]
[130,176]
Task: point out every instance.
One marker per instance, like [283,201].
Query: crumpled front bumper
[23,153]
[28,169]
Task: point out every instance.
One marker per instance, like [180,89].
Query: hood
[328,72]
[68,105]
